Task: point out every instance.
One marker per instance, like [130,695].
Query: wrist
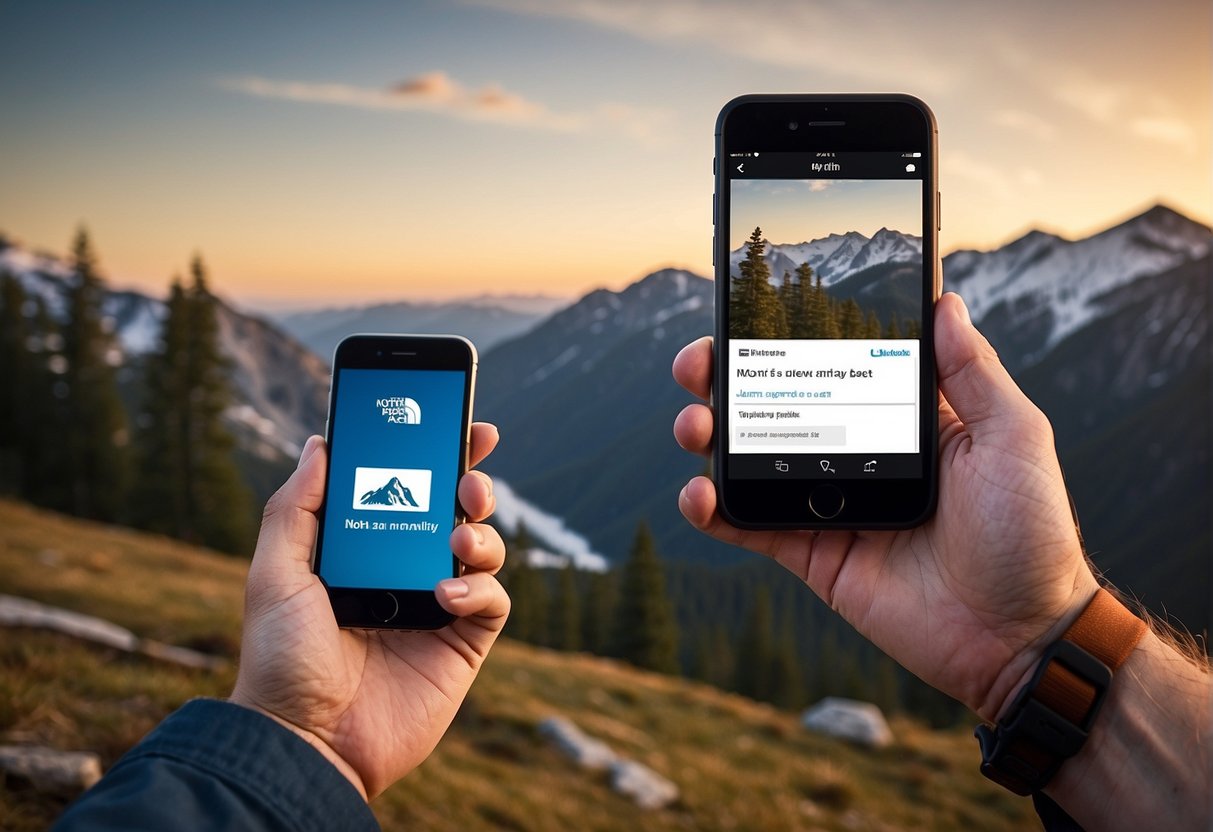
[1017,672]
[325,750]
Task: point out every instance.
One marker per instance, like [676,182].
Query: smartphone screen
[825,258]
[399,422]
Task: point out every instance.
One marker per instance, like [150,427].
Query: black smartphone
[825,251]
[399,432]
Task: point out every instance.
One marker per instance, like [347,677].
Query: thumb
[288,527]
[972,379]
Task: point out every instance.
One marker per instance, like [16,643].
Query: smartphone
[825,252]
[399,432]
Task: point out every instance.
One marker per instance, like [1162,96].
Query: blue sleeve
[215,765]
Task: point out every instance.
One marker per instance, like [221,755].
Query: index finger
[693,367]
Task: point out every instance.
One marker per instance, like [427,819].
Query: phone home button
[826,501]
[384,607]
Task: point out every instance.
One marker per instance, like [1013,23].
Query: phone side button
[826,501]
[384,607]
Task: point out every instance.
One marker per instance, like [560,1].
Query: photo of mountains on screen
[840,286]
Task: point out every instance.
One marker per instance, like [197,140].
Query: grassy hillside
[740,765]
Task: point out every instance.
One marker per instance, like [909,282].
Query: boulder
[579,746]
[859,722]
[65,773]
[646,788]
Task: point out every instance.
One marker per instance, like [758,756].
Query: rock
[64,773]
[583,749]
[646,788]
[849,719]
[21,612]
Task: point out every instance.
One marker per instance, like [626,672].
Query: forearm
[1147,763]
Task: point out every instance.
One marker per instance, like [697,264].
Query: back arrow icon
[741,168]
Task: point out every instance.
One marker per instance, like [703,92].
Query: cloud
[1166,129]
[438,93]
[815,36]
[1000,182]
[1030,123]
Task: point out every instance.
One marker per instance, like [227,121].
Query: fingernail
[964,311]
[455,588]
[309,448]
[682,496]
[479,534]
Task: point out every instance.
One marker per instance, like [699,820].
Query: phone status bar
[822,165]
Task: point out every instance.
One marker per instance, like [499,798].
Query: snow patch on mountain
[512,509]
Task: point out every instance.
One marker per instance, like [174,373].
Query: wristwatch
[1051,716]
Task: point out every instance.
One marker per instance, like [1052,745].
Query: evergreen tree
[787,676]
[645,631]
[529,603]
[800,312]
[190,486]
[754,307]
[96,443]
[597,613]
[756,649]
[564,622]
[873,326]
[893,330]
[851,321]
[821,321]
[913,328]
[15,366]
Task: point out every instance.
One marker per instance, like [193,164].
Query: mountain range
[837,256]
[487,320]
[1109,334]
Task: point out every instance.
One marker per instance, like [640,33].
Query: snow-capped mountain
[279,387]
[1043,287]
[837,256]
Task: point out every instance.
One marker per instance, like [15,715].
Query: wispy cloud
[815,36]
[1029,123]
[1000,182]
[438,93]
[1166,129]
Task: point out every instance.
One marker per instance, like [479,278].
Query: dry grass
[740,764]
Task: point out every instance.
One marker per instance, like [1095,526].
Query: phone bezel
[418,609]
[860,123]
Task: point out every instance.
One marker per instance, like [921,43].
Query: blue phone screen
[393,467]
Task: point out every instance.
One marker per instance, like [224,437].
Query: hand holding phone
[968,600]
[374,701]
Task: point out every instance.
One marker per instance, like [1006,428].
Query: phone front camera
[379,353]
[792,125]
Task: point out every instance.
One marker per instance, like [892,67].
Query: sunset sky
[347,153]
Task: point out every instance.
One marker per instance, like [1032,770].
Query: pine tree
[873,326]
[96,443]
[564,621]
[16,368]
[754,307]
[893,330]
[851,321]
[645,631]
[597,612]
[913,328]
[216,493]
[529,602]
[787,676]
[190,487]
[821,321]
[800,303]
[712,660]
[756,649]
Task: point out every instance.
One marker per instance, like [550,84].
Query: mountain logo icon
[392,494]
[392,489]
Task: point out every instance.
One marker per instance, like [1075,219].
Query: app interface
[393,468]
[825,314]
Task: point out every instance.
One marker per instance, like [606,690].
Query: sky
[799,210]
[320,154]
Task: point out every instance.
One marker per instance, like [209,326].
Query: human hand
[374,702]
[969,600]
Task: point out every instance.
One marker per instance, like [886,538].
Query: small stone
[849,719]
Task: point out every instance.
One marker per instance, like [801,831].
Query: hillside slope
[739,764]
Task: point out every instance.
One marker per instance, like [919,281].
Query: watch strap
[1051,716]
